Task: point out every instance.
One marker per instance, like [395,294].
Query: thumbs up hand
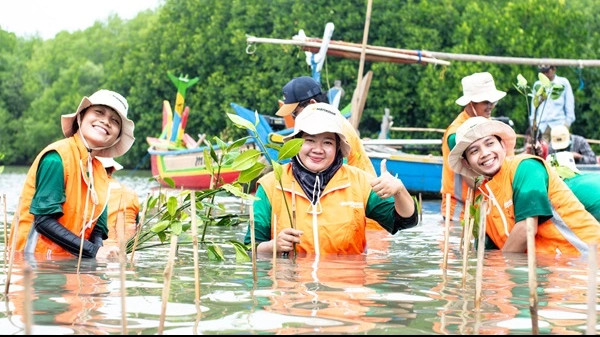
[386,185]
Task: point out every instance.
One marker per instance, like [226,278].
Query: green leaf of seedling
[557,90]
[213,155]
[242,123]
[221,144]
[208,163]
[273,146]
[172,205]
[290,148]
[544,80]
[176,228]
[521,81]
[160,227]
[241,253]
[246,160]
[169,181]
[252,173]
[215,253]
[277,169]
[236,144]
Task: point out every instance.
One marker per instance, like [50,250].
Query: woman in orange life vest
[65,191]
[562,225]
[333,199]
[123,204]
[479,99]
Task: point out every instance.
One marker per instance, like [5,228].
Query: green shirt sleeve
[103,223]
[530,191]
[381,210]
[452,141]
[262,217]
[49,193]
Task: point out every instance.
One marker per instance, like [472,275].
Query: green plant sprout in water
[167,215]
[540,93]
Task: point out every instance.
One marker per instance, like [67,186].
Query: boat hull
[419,173]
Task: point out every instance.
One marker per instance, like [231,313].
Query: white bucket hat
[320,118]
[473,129]
[110,162]
[479,87]
[114,101]
[560,138]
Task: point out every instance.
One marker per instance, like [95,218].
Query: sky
[48,17]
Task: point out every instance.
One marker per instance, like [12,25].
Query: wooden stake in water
[253,243]
[532,265]
[446,234]
[467,210]
[420,208]
[480,254]
[139,228]
[5,229]
[27,300]
[168,274]
[195,251]
[123,264]
[591,290]
[14,230]
[465,262]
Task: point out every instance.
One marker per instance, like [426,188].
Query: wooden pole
[168,274]
[446,234]
[591,289]
[122,264]
[480,254]
[139,228]
[195,251]
[13,232]
[253,244]
[355,117]
[532,265]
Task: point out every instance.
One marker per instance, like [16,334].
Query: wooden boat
[176,156]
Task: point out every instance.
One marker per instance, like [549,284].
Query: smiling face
[318,151]
[485,156]
[100,126]
[482,109]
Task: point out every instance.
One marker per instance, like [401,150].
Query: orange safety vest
[569,230]
[452,182]
[123,209]
[341,229]
[74,156]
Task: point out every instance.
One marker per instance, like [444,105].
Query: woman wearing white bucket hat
[562,224]
[479,99]
[66,189]
[333,200]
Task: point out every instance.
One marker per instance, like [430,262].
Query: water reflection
[399,287]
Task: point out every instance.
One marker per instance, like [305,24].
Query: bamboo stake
[532,265]
[275,248]
[14,230]
[467,211]
[446,234]
[5,229]
[420,208]
[139,228]
[465,266]
[167,283]
[480,254]
[122,264]
[27,299]
[253,243]
[355,117]
[591,289]
[196,262]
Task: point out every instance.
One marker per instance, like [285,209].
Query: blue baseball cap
[297,90]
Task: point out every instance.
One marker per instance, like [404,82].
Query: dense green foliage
[43,79]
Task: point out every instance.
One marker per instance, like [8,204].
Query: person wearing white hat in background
[66,189]
[562,224]
[562,140]
[332,199]
[553,112]
[123,204]
[479,99]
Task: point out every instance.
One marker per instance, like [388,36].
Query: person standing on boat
[331,200]
[302,91]
[561,222]
[123,204]
[553,112]
[563,140]
[479,99]
[66,189]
